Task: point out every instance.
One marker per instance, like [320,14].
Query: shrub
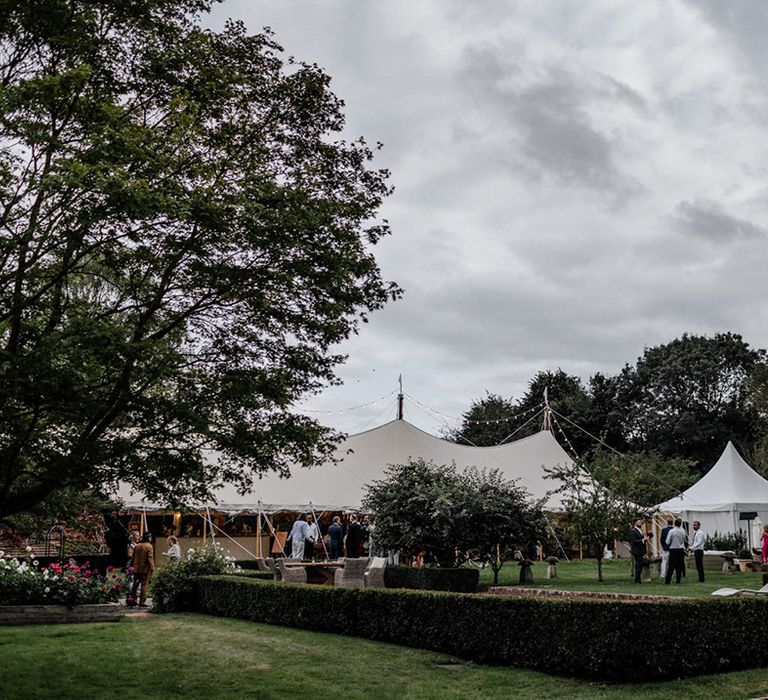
[261,575]
[432,579]
[583,638]
[23,583]
[174,587]
[726,542]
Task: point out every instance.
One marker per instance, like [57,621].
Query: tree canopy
[421,506]
[678,404]
[183,239]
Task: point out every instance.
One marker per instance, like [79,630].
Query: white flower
[35,562]
[29,549]
[47,589]
[2,553]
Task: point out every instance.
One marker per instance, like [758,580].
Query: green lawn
[582,576]
[196,656]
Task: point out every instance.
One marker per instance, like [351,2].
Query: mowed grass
[196,656]
[582,576]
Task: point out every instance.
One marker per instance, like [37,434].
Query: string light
[351,408]
[494,421]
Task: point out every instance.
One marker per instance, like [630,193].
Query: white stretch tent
[729,488]
[364,458]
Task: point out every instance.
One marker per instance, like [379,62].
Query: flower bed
[69,583]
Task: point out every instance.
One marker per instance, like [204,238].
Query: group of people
[305,536]
[141,563]
[674,545]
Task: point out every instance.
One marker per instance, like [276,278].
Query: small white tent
[364,458]
[731,487]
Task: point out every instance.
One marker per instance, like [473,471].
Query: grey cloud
[708,220]
[745,23]
[553,132]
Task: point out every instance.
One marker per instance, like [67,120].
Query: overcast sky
[574,181]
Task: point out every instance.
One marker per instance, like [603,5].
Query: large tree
[493,419]
[183,239]
[687,398]
[421,506]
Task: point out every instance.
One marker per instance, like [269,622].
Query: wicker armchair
[294,574]
[374,575]
[280,569]
[261,564]
[353,573]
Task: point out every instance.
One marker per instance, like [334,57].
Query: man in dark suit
[637,540]
[354,538]
[143,567]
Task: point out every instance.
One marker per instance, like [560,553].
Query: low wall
[58,614]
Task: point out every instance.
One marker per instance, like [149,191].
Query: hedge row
[253,574]
[429,579]
[602,640]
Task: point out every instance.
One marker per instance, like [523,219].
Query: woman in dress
[765,544]
[174,551]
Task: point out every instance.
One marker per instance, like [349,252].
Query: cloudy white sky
[574,181]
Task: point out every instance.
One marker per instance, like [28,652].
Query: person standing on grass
[676,540]
[665,549]
[143,567]
[637,540]
[313,536]
[354,538]
[298,537]
[174,551]
[765,544]
[336,537]
[697,547]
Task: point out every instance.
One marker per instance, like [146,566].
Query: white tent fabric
[364,458]
[715,500]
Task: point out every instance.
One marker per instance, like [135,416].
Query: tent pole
[272,530]
[325,550]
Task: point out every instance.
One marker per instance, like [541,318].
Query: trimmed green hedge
[432,579]
[603,640]
[261,575]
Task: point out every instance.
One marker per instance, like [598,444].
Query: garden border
[574,637]
[60,614]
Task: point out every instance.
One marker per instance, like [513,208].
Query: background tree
[687,398]
[487,422]
[493,419]
[183,238]
[421,506]
[645,479]
[593,514]
[501,518]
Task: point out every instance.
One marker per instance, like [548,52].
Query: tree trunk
[600,569]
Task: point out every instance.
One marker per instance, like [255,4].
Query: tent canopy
[364,458]
[729,488]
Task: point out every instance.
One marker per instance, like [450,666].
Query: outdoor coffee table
[319,572]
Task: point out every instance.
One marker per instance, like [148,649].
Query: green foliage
[185,240]
[427,578]
[422,506]
[726,542]
[591,636]
[81,512]
[174,586]
[592,513]
[687,398]
[645,479]
[23,583]
[494,420]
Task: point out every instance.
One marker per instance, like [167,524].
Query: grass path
[582,576]
[196,656]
